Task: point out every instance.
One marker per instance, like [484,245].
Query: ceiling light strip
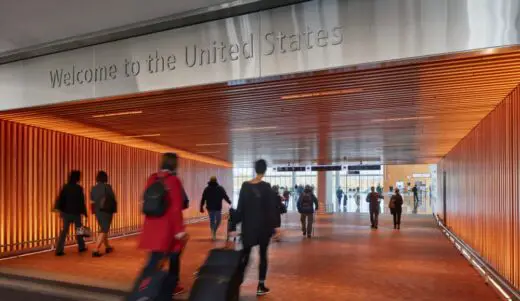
[403,119]
[212,144]
[324,93]
[253,129]
[144,135]
[117,114]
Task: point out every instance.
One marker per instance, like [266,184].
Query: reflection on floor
[344,261]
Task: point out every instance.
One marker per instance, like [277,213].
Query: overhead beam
[216,12]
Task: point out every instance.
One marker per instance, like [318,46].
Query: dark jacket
[71,200]
[257,211]
[398,201]
[280,207]
[314,201]
[373,199]
[213,196]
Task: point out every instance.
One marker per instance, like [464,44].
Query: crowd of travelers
[259,210]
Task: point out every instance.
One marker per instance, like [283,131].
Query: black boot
[262,290]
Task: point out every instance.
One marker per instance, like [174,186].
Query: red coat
[159,232]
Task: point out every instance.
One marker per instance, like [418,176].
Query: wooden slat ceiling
[405,113]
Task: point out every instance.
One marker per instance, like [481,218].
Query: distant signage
[353,172]
[364,167]
[326,168]
[421,175]
[310,168]
[290,168]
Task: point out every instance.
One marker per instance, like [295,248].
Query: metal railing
[49,244]
[505,289]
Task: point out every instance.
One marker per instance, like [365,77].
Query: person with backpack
[258,213]
[104,205]
[307,205]
[396,208]
[373,199]
[212,197]
[71,206]
[163,233]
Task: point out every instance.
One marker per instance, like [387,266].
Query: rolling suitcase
[220,277]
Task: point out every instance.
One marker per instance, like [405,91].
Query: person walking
[71,206]
[357,198]
[212,197]
[104,205]
[165,236]
[374,204]
[307,205]
[339,196]
[286,197]
[379,190]
[415,191]
[257,211]
[396,208]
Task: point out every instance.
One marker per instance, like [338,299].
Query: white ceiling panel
[26,23]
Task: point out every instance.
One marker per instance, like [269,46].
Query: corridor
[345,261]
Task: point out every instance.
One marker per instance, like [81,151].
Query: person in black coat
[258,213]
[396,208]
[71,206]
[212,197]
[307,205]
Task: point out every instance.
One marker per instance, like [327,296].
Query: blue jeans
[173,273]
[215,218]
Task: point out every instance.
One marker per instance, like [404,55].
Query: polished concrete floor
[344,261]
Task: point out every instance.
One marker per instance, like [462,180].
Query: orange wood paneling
[412,112]
[34,164]
[482,188]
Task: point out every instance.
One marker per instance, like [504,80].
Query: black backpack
[307,204]
[155,199]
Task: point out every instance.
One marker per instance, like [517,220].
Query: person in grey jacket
[104,205]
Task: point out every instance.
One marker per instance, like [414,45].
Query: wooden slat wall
[483,186]
[34,164]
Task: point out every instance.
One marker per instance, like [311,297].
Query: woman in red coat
[165,235]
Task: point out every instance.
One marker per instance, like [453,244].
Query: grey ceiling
[27,23]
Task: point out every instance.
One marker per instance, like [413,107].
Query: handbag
[108,203]
[83,231]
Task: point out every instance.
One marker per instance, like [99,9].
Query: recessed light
[212,144]
[145,135]
[294,148]
[403,119]
[252,129]
[323,93]
[117,114]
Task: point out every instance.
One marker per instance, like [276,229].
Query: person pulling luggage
[163,234]
[258,213]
